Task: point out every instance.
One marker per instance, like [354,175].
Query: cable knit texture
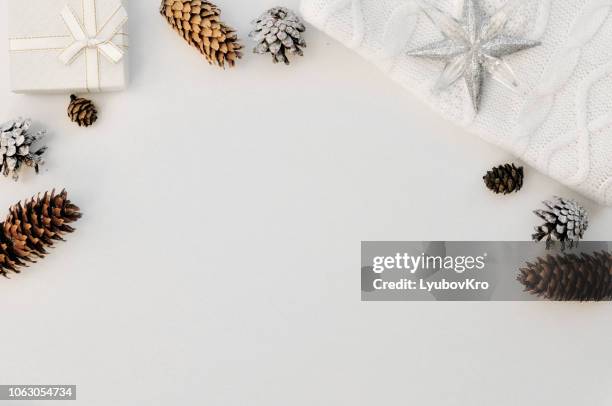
[560,123]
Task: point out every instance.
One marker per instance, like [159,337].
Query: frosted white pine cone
[278,31]
[564,221]
[16,147]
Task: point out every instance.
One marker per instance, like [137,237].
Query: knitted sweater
[561,121]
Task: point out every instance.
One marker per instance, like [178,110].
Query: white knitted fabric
[561,123]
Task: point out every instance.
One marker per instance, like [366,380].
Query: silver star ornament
[473,46]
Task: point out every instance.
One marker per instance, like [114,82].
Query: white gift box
[63,46]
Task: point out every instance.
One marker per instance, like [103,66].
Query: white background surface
[218,259]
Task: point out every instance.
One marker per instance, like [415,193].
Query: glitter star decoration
[473,46]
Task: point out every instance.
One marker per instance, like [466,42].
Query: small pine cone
[198,22]
[565,221]
[279,31]
[570,277]
[82,111]
[504,179]
[32,227]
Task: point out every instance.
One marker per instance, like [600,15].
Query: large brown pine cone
[570,277]
[199,23]
[32,227]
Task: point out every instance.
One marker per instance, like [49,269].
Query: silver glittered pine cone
[279,31]
[565,221]
[17,147]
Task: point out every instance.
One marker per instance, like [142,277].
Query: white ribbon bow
[89,38]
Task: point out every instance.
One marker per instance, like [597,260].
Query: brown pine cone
[198,22]
[32,227]
[504,179]
[570,277]
[82,111]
